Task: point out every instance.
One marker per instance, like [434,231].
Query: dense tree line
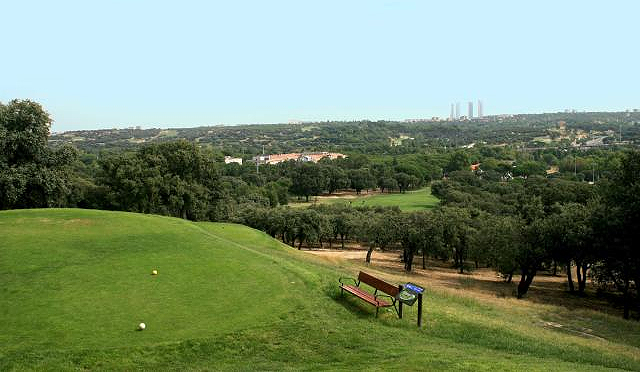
[509,212]
[379,137]
[556,222]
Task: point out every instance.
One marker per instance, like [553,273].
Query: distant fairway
[409,201]
[75,283]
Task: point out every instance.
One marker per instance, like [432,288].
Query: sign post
[400,302]
[408,295]
[419,309]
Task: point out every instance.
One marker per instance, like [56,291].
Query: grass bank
[77,282]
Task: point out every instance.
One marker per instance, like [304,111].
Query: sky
[114,64]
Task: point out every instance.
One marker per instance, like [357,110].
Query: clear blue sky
[186,63]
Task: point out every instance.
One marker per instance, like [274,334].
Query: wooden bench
[390,290]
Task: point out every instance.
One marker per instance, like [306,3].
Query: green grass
[75,283]
[409,201]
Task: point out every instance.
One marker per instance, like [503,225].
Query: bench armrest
[352,279]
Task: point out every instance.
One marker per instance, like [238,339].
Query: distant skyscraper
[470,110]
[480,112]
[451,116]
[457,110]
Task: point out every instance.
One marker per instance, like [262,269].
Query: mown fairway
[75,284]
[409,201]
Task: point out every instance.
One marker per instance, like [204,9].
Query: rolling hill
[76,283]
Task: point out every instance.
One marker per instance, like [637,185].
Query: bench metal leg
[398,310]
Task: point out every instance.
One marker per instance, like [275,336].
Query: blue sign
[414,288]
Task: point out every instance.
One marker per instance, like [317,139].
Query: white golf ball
[142,326]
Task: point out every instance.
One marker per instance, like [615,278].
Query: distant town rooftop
[297,156]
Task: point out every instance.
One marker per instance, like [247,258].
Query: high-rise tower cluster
[455,111]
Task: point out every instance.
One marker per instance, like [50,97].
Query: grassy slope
[76,283]
[409,201]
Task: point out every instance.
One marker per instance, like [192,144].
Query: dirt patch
[66,223]
[483,283]
[346,195]
[78,221]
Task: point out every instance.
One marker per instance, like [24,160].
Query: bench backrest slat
[378,284]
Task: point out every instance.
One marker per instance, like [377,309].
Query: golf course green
[76,284]
[413,200]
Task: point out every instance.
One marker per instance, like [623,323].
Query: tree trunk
[570,277]
[458,261]
[330,243]
[368,259]
[525,281]
[299,244]
[510,277]
[637,280]
[424,259]
[627,299]
[342,241]
[581,273]
[408,263]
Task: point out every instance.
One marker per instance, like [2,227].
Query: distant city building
[230,159]
[470,110]
[480,109]
[457,110]
[297,156]
[451,116]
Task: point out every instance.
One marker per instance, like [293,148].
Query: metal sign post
[419,309]
[408,295]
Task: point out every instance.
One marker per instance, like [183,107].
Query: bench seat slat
[366,296]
